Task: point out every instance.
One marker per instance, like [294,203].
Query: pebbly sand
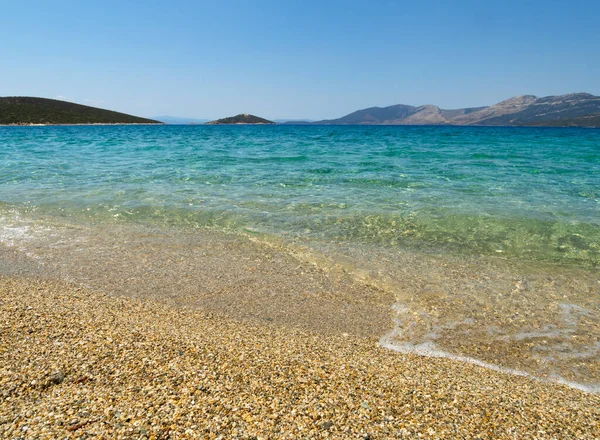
[78,363]
[539,321]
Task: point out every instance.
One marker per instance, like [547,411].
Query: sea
[487,238]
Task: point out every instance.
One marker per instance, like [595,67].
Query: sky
[292,59]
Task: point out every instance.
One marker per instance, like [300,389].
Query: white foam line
[11,235]
[429,349]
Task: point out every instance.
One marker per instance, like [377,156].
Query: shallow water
[488,238]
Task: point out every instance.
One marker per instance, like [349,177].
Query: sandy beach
[192,283]
[77,363]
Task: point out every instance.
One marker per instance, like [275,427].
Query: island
[26,110]
[243,118]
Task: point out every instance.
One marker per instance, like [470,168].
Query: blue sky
[296,59]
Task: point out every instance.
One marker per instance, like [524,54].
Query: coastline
[265,280]
[592,127]
[239,123]
[79,362]
[82,125]
[225,228]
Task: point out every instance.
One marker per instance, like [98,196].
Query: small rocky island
[243,118]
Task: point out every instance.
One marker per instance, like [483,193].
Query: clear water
[527,193]
[489,237]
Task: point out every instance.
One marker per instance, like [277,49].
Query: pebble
[117,372]
[56,378]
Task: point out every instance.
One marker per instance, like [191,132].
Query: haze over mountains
[577,109]
[176,120]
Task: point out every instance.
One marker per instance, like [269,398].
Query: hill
[243,118]
[577,109]
[23,110]
[374,115]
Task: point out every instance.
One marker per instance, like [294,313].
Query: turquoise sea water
[488,238]
[525,193]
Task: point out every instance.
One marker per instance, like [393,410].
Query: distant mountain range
[293,121]
[243,118]
[25,110]
[577,110]
[176,120]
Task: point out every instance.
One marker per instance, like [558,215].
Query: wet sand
[209,270]
[540,320]
[75,362]
[135,331]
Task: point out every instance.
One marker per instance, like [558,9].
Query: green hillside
[22,110]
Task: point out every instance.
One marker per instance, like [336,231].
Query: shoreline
[309,124]
[258,281]
[82,125]
[79,362]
